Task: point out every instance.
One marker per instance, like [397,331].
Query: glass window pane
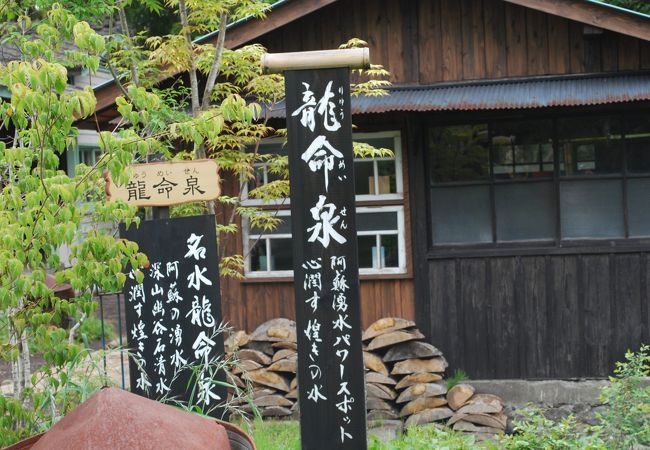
[522,149]
[258,255]
[284,227]
[459,153]
[461,214]
[281,254]
[525,211]
[364,174]
[590,145]
[389,251]
[638,195]
[377,221]
[387,179]
[367,247]
[591,209]
[637,136]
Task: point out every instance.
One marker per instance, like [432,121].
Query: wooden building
[513,223]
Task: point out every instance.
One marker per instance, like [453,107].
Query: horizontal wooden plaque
[167,183]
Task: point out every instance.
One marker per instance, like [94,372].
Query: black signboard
[326,274]
[172,316]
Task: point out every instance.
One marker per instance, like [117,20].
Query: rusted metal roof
[523,93]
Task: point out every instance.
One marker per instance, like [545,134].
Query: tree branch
[194,83]
[216,63]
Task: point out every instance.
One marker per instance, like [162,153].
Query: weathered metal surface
[113,419]
[522,93]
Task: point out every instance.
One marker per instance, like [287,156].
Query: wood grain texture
[429,41]
[495,38]
[451,38]
[473,39]
[628,53]
[516,46]
[537,43]
[558,45]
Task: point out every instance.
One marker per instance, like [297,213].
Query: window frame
[364,204]
[560,243]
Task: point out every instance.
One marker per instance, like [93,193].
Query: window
[82,154]
[547,180]
[380,227]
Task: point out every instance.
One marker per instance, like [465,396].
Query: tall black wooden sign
[172,315]
[326,275]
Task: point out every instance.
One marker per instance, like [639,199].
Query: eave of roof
[522,93]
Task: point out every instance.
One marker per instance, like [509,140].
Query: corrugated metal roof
[521,93]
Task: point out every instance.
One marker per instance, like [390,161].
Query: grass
[285,435]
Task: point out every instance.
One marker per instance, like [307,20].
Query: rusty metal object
[113,419]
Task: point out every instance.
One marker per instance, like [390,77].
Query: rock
[265,378]
[392,338]
[376,377]
[262,392]
[275,330]
[420,404]
[284,353]
[234,379]
[275,411]
[437,364]
[272,400]
[235,340]
[288,345]
[294,383]
[246,366]
[380,391]
[462,425]
[429,415]
[385,430]
[377,404]
[247,354]
[382,414]
[459,395]
[415,378]
[422,390]
[374,362]
[482,403]
[410,350]
[264,347]
[292,394]
[498,420]
[386,325]
[285,365]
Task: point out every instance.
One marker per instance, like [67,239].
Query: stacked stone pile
[404,378]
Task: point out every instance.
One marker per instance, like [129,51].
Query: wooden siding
[547,316]
[428,41]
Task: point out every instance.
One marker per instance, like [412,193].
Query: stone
[497,420]
[392,338]
[459,395]
[377,404]
[283,353]
[385,430]
[382,414]
[272,400]
[422,390]
[386,325]
[380,391]
[248,354]
[410,350]
[378,378]
[285,365]
[469,427]
[275,330]
[264,377]
[275,411]
[246,365]
[374,363]
[415,378]
[482,403]
[235,341]
[429,415]
[420,404]
[409,366]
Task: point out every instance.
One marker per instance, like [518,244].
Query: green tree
[42,209]
[641,6]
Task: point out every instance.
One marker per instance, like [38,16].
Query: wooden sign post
[172,316]
[326,270]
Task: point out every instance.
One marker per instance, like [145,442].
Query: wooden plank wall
[549,316]
[428,41]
